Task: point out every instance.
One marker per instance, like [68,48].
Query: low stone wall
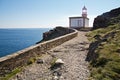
[21,58]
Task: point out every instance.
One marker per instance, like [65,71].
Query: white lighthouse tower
[79,22]
[84,12]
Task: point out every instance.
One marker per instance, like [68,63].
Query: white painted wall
[78,22]
[86,22]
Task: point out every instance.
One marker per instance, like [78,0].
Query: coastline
[22,57]
[15,39]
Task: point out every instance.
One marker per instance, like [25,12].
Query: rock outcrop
[107,19]
[56,32]
[104,48]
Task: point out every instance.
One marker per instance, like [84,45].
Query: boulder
[59,61]
[58,64]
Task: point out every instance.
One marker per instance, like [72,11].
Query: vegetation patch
[53,61]
[106,66]
[53,64]
[31,60]
[8,76]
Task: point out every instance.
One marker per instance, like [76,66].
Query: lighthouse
[79,21]
[84,12]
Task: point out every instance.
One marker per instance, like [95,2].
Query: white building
[79,22]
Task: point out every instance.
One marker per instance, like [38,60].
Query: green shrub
[31,60]
[53,61]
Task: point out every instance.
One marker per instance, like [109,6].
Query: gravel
[72,52]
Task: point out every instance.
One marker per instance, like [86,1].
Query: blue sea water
[12,40]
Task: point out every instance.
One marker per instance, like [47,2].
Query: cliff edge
[107,19]
[56,32]
[104,50]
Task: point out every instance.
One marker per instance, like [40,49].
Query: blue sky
[49,13]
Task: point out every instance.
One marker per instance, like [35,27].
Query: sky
[49,13]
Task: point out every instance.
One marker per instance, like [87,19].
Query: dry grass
[107,65]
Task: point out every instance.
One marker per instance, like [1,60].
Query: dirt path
[72,52]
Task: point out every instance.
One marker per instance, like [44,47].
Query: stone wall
[21,58]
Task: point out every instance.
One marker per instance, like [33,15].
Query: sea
[13,40]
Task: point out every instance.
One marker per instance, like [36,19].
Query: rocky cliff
[107,19]
[104,50]
[56,32]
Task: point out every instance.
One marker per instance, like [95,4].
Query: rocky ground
[72,52]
